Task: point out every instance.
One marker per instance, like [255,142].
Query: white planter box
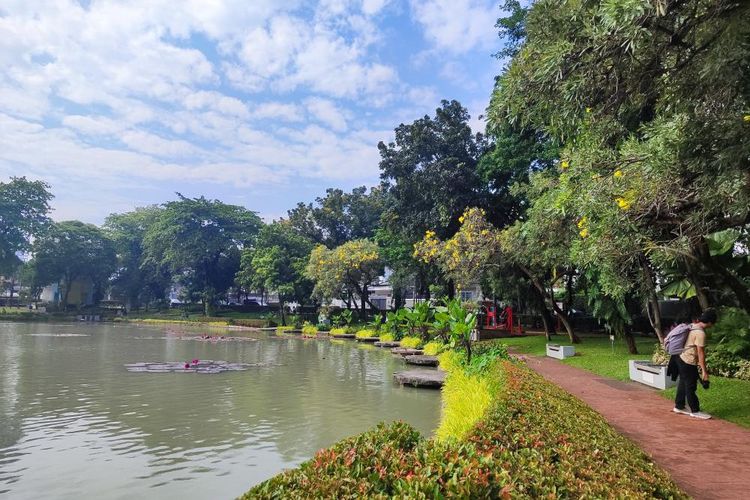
[560,351]
[646,372]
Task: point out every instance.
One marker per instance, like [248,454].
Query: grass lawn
[727,398]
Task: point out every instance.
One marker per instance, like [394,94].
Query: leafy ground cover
[535,441]
[727,398]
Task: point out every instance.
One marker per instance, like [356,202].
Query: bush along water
[309,330]
[366,333]
[532,441]
[411,342]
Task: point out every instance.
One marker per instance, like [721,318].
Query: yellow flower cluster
[618,174]
[564,164]
[584,231]
[746,118]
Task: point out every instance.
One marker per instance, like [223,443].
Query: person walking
[693,356]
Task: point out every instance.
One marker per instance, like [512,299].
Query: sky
[262,103]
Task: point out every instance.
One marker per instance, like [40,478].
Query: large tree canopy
[200,241]
[276,263]
[24,206]
[339,216]
[136,281]
[70,251]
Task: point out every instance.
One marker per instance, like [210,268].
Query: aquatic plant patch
[534,441]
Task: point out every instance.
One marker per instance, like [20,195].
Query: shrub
[434,348]
[387,337]
[366,333]
[284,329]
[309,330]
[732,332]
[411,342]
[466,396]
[535,441]
[249,322]
[335,332]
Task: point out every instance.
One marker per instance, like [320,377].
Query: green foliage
[136,281]
[339,217]
[276,263]
[462,323]
[532,441]
[344,318]
[732,332]
[410,342]
[201,240]
[70,251]
[24,209]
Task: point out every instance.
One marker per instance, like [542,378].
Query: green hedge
[535,441]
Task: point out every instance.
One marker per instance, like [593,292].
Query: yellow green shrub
[367,333]
[411,342]
[466,396]
[387,337]
[433,348]
[338,331]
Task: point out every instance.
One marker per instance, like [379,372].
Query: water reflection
[70,410]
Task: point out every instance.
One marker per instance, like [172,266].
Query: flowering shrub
[535,441]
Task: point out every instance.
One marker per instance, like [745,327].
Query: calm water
[75,424]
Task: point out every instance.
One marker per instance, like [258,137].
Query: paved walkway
[709,459]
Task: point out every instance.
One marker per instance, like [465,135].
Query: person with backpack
[692,355]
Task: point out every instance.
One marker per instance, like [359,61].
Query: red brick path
[712,463]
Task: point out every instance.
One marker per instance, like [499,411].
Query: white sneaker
[700,415]
[681,411]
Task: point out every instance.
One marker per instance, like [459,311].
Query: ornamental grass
[533,441]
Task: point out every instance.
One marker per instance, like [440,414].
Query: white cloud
[326,112]
[457,26]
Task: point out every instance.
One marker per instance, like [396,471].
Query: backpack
[674,342]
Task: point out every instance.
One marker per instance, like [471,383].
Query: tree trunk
[630,340]
[281,312]
[563,317]
[652,305]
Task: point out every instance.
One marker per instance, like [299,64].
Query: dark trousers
[686,387]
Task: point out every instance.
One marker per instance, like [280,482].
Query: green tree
[339,216]
[137,281]
[70,251]
[276,263]
[657,92]
[200,241]
[24,209]
[430,175]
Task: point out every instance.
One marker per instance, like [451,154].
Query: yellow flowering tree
[346,271]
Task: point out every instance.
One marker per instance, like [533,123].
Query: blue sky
[262,103]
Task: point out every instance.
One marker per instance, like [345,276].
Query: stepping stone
[403,351]
[422,360]
[421,378]
[368,339]
[343,336]
[387,344]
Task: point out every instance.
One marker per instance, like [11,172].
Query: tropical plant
[462,324]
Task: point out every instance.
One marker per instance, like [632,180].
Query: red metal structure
[499,320]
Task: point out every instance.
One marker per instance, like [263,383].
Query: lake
[75,424]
